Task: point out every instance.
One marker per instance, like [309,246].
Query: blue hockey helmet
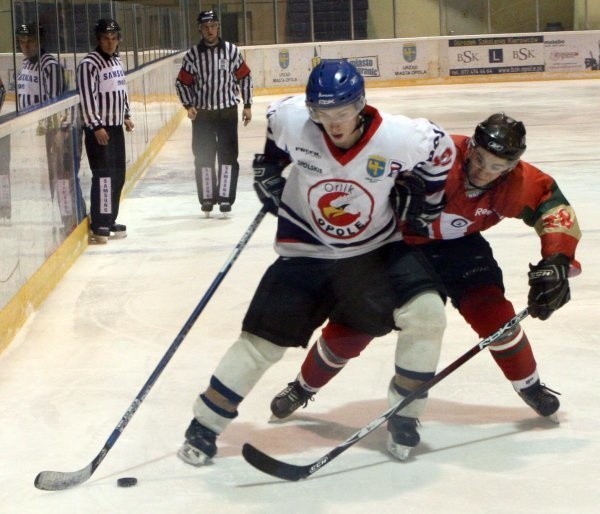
[502,136]
[334,83]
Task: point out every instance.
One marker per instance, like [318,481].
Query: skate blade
[97,240]
[190,455]
[274,419]
[399,451]
[554,418]
[118,235]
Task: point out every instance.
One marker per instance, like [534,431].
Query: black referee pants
[215,135]
[107,163]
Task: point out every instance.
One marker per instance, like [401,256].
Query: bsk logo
[467,56]
[523,54]
[496,55]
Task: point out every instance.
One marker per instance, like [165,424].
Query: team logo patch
[341,209]
[560,219]
[409,52]
[376,166]
[284,59]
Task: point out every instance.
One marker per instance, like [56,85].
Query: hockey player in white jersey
[341,255]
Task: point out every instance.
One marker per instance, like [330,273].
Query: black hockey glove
[430,213]
[409,196]
[548,286]
[409,203]
[268,182]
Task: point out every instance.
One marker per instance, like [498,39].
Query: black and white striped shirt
[39,80]
[102,90]
[213,77]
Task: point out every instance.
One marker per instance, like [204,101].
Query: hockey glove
[408,196]
[411,206]
[548,286]
[268,182]
[420,224]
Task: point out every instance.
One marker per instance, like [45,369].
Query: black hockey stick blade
[293,472]
[59,480]
[274,467]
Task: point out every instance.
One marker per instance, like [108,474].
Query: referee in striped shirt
[213,74]
[105,109]
[40,78]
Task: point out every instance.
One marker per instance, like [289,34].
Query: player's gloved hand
[548,285]
[408,196]
[420,224]
[268,182]
[411,206]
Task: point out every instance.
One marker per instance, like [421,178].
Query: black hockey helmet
[501,135]
[29,29]
[207,16]
[105,25]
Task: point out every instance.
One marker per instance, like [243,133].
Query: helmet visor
[341,114]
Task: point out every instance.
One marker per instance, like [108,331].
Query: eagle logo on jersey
[341,209]
[376,166]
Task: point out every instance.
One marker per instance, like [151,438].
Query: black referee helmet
[106,25]
[206,16]
[29,29]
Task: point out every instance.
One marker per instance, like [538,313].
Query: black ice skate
[200,445]
[290,399]
[99,236]
[403,436]
[206,207]
[118,231]
[541,400]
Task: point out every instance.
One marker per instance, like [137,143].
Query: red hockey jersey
[526,193]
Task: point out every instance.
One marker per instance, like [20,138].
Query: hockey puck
[127,482]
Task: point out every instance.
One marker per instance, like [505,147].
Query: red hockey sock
[326,358]
[486,310]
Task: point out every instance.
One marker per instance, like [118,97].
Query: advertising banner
[571,52]
[495,55]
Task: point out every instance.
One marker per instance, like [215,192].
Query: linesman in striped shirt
[105,110]
[40,78]
[213,74]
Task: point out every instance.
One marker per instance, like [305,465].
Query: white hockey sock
[240,369]
[422,322]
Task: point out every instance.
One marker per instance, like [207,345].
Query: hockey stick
[279,469]
[58,480]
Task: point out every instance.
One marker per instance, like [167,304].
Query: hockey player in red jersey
[341,255]
[487,183]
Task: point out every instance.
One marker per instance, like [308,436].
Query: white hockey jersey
[335,203]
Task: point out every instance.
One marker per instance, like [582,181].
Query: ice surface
[74,369]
